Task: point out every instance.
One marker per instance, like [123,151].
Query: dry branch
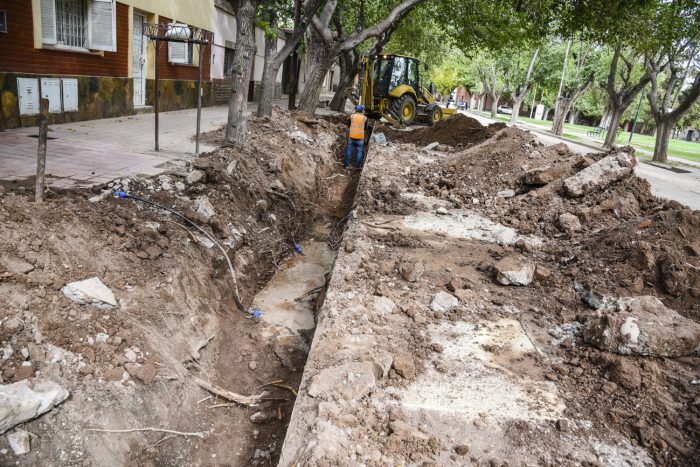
[160,430]
[228,395]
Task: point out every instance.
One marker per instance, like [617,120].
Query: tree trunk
[243,56]
[269,77]
[563,107]
[293,72]
[615,116]
[516,110]
[348,71]
[494,105]
[320,61]
[663,134]
[572,116]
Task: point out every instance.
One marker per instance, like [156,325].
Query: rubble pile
[120,303]
[558,275]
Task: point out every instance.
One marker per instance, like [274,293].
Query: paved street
[665,183]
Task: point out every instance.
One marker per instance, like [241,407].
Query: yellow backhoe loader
[390,87]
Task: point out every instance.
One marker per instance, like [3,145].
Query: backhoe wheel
[405,109]
[434,116]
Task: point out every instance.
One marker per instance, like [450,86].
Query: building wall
[19,54]
[105,84]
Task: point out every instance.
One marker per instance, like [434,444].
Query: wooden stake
[41,153]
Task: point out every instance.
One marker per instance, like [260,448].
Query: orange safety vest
[357,126]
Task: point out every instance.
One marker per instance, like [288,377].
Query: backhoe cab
[390,87]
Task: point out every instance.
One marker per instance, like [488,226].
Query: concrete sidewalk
[98,151]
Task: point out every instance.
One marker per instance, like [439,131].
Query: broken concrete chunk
[514,270]
[601,174]
[16,265]
[442,211]
[444,302]
[204,207]
[90,291]
[643,326]
[432,146]
[24,400]
[194,176]
[383,305]
[569,222]
[350,381]
[19,442]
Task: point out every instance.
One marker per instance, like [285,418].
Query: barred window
[71,23]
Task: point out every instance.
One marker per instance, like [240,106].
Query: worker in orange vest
[356,136]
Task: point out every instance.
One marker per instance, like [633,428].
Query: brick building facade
[90,59]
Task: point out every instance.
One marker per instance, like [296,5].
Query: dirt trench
[134,366]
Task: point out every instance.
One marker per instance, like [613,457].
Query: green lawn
[676,148]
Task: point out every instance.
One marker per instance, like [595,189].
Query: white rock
[432,146]
[231,167]
[383,305]
[130,355]
[90,291]
[103,195]
[101,338]
[204,207]
[441,210]
[514,270]
[19,442]
[179,186]
[300,136]
[194,176]
[25,352]
[506,194]
[204,241]
[444,302]
[26,400]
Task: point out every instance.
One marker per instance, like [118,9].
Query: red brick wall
[168,70]
[17,52]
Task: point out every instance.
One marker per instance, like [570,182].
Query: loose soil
[177,312]
[506,378]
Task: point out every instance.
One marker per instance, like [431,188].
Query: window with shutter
[179,52]
[102,25]
[48,21]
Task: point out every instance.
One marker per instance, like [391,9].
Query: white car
[504,109]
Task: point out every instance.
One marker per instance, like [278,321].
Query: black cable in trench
[189,223]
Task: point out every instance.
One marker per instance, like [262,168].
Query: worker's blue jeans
[354,143]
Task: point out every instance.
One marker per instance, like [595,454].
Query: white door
[138,59]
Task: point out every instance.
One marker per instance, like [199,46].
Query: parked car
[504,109]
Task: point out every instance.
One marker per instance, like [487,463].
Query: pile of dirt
[607,237]
[133,365]
[458,130]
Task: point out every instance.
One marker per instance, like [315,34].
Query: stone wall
[98,97]
[177,94]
